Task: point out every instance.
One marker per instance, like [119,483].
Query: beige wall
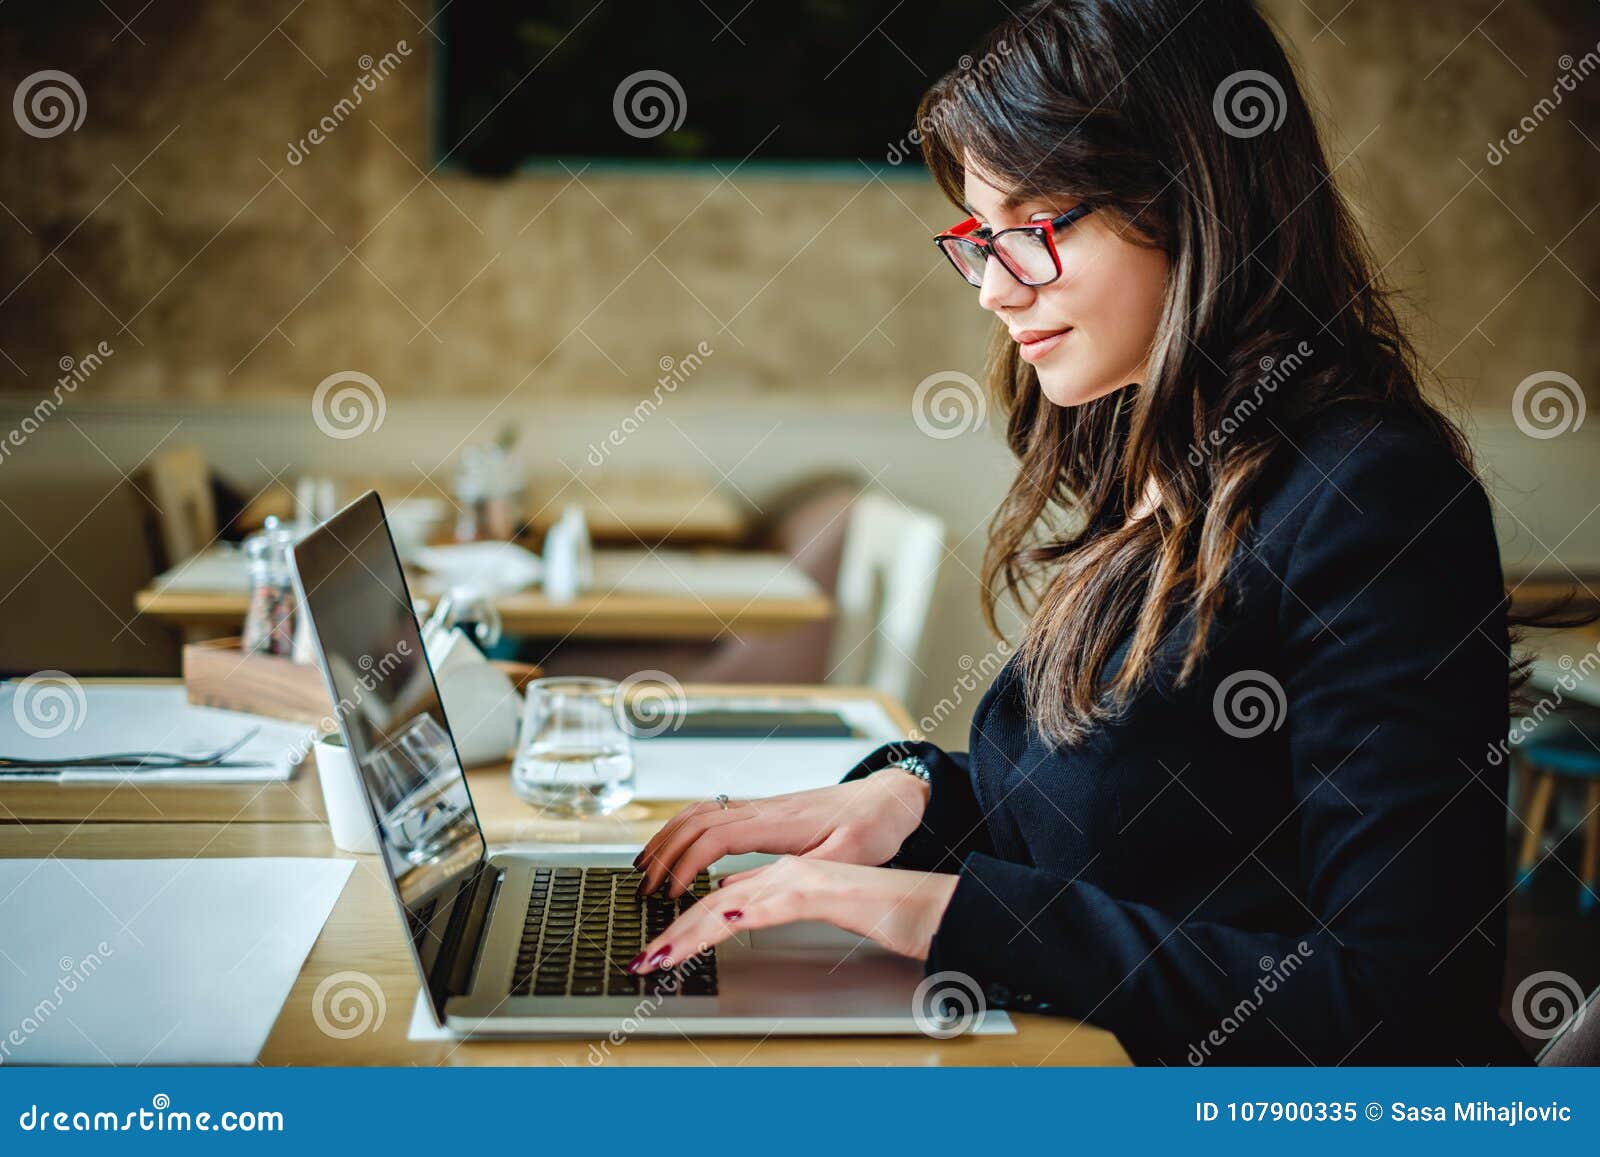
[229,282]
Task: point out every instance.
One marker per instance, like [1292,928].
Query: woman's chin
[1067,389]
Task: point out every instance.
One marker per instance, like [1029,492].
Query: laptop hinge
[464,940]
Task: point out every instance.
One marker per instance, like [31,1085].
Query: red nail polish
[633,965]
[660,954]
[733,914]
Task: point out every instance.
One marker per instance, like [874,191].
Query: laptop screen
[389,713]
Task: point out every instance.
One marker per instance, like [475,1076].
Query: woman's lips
[1034,344]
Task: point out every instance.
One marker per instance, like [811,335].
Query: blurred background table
[637,594]
[661,507]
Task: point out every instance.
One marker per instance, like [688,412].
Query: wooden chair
[891,560]
[178,484]
[1564,748]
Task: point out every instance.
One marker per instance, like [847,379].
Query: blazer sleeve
[953,824]
[1395,677]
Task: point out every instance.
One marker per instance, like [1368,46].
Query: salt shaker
[269,622]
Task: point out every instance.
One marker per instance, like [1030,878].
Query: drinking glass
[573,757]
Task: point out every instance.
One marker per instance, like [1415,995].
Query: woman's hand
[898,909]
[861,822]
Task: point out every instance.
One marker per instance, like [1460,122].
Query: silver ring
[722,801]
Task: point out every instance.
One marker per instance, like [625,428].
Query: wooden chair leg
[1591,851]
[1534,814]
[1522,782]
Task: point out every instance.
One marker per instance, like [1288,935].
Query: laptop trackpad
[807,934]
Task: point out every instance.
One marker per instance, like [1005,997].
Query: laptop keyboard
[585,924]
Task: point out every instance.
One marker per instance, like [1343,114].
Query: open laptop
[534,940]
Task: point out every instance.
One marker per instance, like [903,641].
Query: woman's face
[1089,332]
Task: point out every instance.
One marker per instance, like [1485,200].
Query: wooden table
[637,595]
[1565,660]
[1532,589]
[619,508]
[363,933]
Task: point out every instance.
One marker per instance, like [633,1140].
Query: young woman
[1230,798]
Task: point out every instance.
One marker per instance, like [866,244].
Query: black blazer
[1298,857]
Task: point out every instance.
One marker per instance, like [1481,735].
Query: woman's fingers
[715,918]
[661,853]
[654,843]
[710,846]
[735,877]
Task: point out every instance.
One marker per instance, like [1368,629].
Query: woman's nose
[1000,290]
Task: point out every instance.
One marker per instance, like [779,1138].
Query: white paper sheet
[217,568]
[671,769]
[995,1022]
[142,718]
[133,962]
[666,768]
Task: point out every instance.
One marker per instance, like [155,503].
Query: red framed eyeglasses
[1027,252]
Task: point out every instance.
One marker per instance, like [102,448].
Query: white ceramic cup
[349,814]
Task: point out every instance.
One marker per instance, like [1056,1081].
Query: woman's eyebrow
[1009,203]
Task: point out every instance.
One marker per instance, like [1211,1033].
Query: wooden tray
[218,673]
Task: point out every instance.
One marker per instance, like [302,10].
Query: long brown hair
[1185,125]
